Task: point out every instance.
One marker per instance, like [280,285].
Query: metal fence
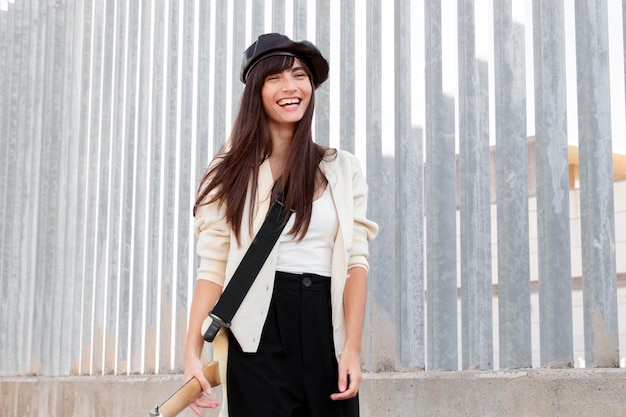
[111,109]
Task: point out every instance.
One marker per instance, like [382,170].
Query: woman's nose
[289,84]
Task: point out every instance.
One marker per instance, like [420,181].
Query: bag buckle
[211,325]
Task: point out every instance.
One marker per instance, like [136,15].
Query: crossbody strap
[247,271]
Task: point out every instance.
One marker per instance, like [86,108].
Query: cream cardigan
[220,254]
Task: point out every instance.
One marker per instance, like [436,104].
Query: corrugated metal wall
[111,109]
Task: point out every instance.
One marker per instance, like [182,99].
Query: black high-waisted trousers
[294,370]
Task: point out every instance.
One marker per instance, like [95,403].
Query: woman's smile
[289,103]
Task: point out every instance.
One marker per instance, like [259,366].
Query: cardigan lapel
[264,193]
[339,194]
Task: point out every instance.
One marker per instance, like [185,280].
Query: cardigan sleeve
[364,229]
[213,244]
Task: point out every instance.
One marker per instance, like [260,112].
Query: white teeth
[288,101]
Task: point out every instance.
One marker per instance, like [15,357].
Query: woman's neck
[281,141]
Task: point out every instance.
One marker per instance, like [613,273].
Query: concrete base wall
[575,392]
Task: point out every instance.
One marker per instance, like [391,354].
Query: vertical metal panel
[4,102]
[86,171]
[108,255]
[411,220]
[409,197]
[555,282]
[27,180]
[6,34]
[182,197]
[156,225]
[381,352]
[300,26]
[53,183]
[35,319]
[221,40]
[202,149]
[322,95]
[132,191]
[146,240]
[440,187]
[258,18]
[596,185]
[278,16]
[346,74]
[43,290]
[169,253]
[18,119]
[28,176]
[240,43]
[475,198]
[21,172]
[67,194]
[202,90]
[115,290]
[110,164]
[93,13]
[13,234]
[512,189]
[76,170]
[10,204]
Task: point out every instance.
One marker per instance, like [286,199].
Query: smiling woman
[296,335]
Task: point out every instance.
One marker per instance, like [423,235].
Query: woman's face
[286,96]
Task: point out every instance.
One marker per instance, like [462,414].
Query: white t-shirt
[313,253]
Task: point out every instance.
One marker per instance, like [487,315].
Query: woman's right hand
[193,368]
[205,296]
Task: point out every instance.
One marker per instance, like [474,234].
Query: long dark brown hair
[236,165]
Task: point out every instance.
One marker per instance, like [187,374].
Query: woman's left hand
[349,375]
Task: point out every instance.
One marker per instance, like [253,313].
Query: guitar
[175,404]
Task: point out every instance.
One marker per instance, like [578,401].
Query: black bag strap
[247,271]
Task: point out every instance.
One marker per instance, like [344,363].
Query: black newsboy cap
[271,44]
